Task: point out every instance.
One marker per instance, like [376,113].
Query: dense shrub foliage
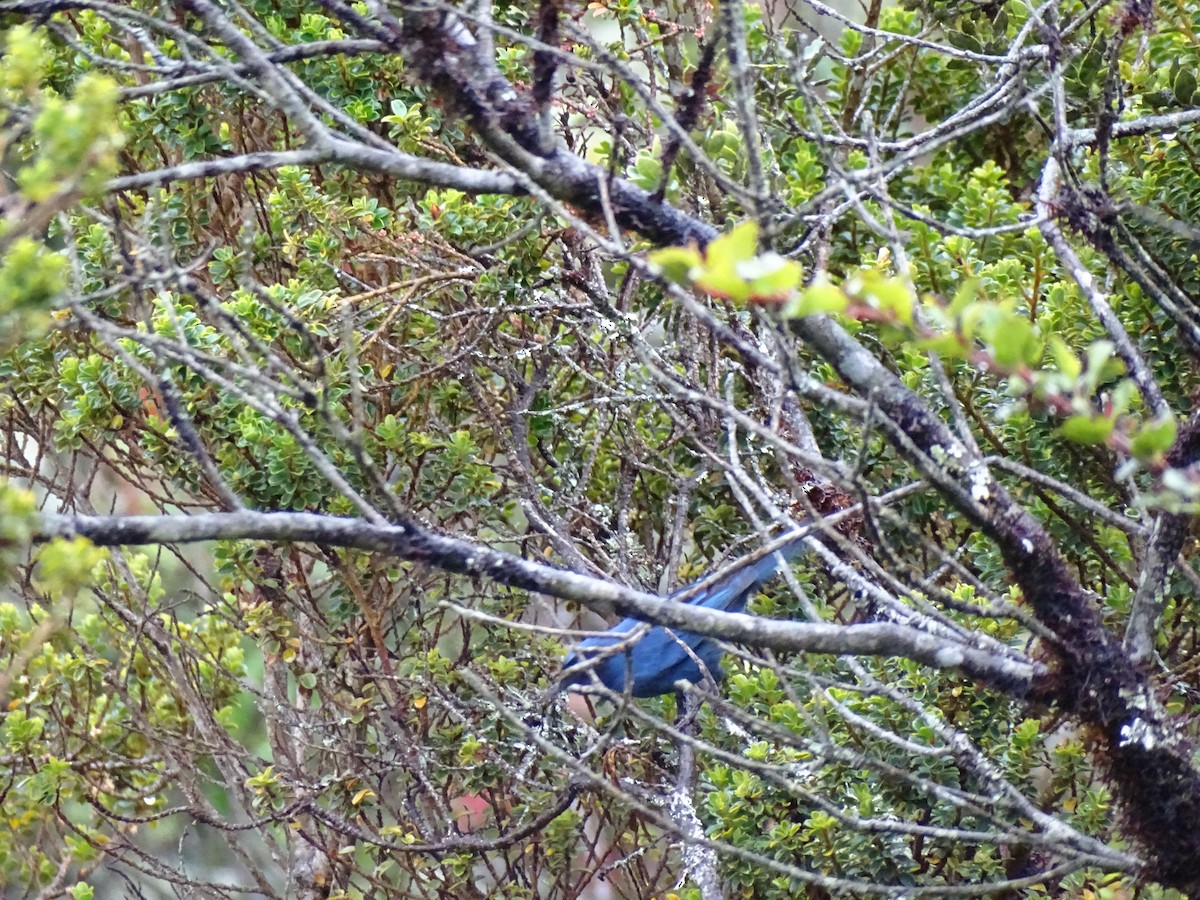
[624,289]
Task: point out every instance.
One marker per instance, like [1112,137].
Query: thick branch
[1150,765]
[409,542]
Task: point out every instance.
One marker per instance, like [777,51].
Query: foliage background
[313,333]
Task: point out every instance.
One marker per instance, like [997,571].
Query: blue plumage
[658,660]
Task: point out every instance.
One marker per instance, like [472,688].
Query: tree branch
[410,542]
[334,151]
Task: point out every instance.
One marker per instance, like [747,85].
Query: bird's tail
[728,588]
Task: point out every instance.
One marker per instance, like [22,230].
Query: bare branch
[413,543]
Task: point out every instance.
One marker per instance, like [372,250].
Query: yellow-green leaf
[678,264]
[771,277]
[964,296]
[1014,342]
[1068,363]
[1085,429]
[947,346]
[822,296]
[1154,438]
[740,243]
[892,295]
[724,282]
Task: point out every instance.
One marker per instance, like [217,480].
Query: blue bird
[658,659]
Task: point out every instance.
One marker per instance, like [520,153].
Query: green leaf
[66,565]
[1154,438]
[677,264]
[1101,365]
[649,171]
[1086,429]
[720,271]
[771,277]
[947,346]
[21,730]
[891,295]
[977,319]
[964,42]
[723,282]
[1184,86]
[964,296]
[1014,342]
[1122,397]
[822,296]
[737,245]
[1066,360]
